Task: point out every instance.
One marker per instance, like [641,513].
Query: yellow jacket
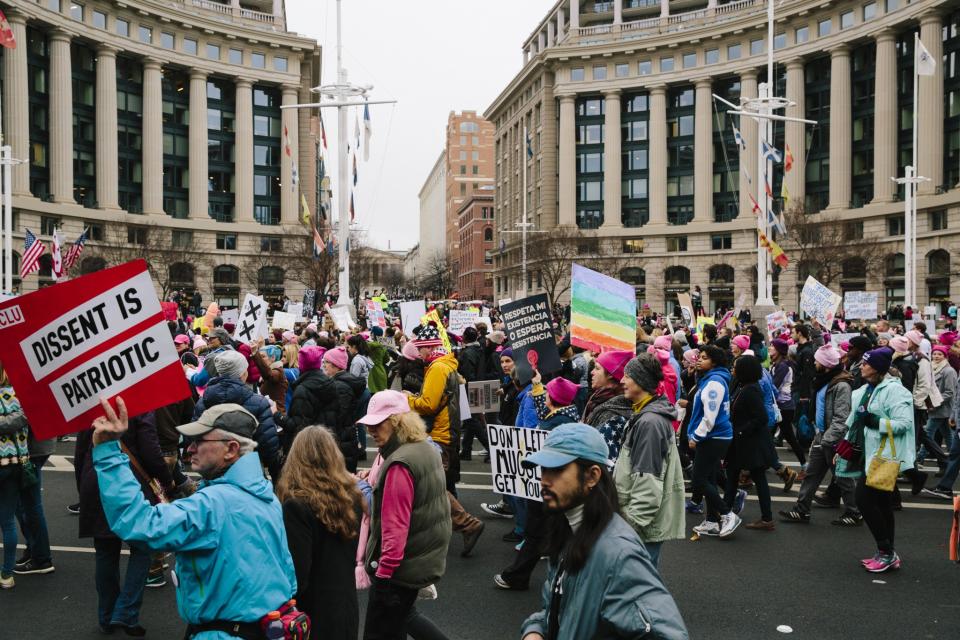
[433,403]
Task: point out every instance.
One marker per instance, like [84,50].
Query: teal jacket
[893,404]
[232,558]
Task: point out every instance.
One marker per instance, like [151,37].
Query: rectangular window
[146,34]
[474,140]
[590,162]
[666,64]
[891,5]
[475,156]
[48,224]
[853,230]
[600,72]
[53,5]
[576,74]
[801,35]
[123,27]
[644,67]
[190,46]
[622,70]
[633,246]
[895,226]
[463,169]
[938,220]
[756,47]
[279,64]
[258,60]
[823,27]
[689,60]
[712,56]
[99,20]
[137,235]
[96,232]
[779,41]
[213,51]
[166,40]
[869,11]
[463,155]
[182,239]
[474,170]
[676,243]
[76,11]
[846,19]
[721,241]
[235,56]
[733,52]
[270,244]
[227,241]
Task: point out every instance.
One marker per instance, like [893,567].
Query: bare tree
[393,280]
[439,279]
[553,255]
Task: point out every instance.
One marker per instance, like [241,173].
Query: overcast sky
[432,56]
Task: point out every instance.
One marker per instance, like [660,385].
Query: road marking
[125,552]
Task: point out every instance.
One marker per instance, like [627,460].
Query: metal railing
[677,22]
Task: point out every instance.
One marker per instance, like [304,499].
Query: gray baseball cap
[227,417]
[220,334]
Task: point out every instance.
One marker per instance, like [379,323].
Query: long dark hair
[598,509]
[358,343]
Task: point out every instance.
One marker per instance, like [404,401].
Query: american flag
[32,250]
[74,253]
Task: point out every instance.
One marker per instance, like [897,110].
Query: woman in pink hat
[607,408]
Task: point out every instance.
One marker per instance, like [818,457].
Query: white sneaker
[7,581]
[729,524]
[707,528]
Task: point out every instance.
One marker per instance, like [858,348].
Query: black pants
[788,433]
[923,438]
[877,509]
[706,465]
[525,560]
[420,627]
[759,477]
[388,610]
[474,427]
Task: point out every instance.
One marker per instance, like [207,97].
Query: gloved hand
[871,420]
[845,450]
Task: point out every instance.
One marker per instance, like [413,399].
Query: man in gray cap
[218,341]
[233,566]
[599,573]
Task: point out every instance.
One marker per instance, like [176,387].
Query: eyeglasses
[197,441]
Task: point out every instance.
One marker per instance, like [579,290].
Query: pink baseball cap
[384,404]
[181,339]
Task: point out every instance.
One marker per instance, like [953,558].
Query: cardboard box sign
[100,335]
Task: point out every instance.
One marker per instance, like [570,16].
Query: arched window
[46,266]
[181,276]
[854,269]
[226,285]
[676,275]
[938,278]
[722,273]
[938,263]
[634,275]
[488,234]
[894,265]
[92,264]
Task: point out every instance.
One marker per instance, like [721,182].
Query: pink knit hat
[288,336]
[947,338]
[827,356]
[690,356]
[900,344]
[337,357]
[310,357]
[942,349]
[410,351]
[562,391]
[662,356]
[613,362]
[663,342]
[199,343]
[915,337]
[742,341]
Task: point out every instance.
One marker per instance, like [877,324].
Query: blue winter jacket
[231,546]
[710,417]
[769,397]
[527,415]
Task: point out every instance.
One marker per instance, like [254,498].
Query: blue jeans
[935,425]
[9,497]
[118,604]
[653,549]
[519,506]
[953,465]
[33,524]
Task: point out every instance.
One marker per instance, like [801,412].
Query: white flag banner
[926,64]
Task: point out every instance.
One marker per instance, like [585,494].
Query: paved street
[804,576]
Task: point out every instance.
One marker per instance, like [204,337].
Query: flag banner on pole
[323,133]
[746,174]
[6,33]
[304,210]
[756,205]
[776,253]
[766,186]
[57,255]
[784,194]
[773,220]
[356,129]
[288,150]
[74,253]
[318,243]
[787,158]
[769,151]
[529,146]
[738,138]
[367,132]
[33,248]
[352,212]
[354,169]
[926,65]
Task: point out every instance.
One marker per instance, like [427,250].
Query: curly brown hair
[316,474]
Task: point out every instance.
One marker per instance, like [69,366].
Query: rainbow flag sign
[603,312]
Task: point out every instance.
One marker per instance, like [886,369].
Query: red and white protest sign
[97,336]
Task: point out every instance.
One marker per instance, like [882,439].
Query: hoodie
[710,417]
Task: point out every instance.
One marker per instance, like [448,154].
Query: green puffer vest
[425,556]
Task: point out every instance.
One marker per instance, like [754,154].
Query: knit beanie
[861,343]
[742,341]
[879,359]
[645,370]
[780,346]
[428,336]
[827,356]
[664,342]
[947,338]
[562,391]
[337,357]
[900,344]
[309,358]
[691,356]
[230,364]
[613,362]
[915,337]
[410,351]
[507,353]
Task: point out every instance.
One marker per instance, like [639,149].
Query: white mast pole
[523,224]
[343,222]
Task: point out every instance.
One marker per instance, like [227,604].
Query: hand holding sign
[110,426]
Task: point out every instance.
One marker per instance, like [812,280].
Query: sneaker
[867,561]
[7,581]
[694,507]
[30,566]
[762,525]
[883,562]
[729,524]
[470,539]
[707,528]
[512,536]
[848,519]
[22,560]
[937,492]
[739,501]
[794,516]
[918,479]
[74,509]
[822,500]
[506,586]
[155,581]
[499,510]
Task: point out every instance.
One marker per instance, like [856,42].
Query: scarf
[938,366]
[640,404]
[600,396]
[436,354]
[823,378]
[360,573]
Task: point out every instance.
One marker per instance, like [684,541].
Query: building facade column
[617,11]
[574,14]
[61,118]
[703,153]
[567,183]
[748,155]
[664,8]
[551,33]
[841,121]
[885,125]
[199,164]
[289,192]
[930,122]
[16,106]
[153,137]
[106,144]
[548,153]
[657,188]
[612,169]
[796,134]
[243,151]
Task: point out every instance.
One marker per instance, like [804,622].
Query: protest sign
[96,336]
[777,322]
[930,311]
[504,301]
[252,322]
[486,320]
[410,314]
[686,308]
[230,316]
[295,309]
[309,301]
[375,315]
[341,318]
[283,320]
[603,312]
[509,446]
[169,311]
[703,321]
[461,319]
[838,339]
[530,330]
[483,397]
[465,413]
[860,305]
[819,302]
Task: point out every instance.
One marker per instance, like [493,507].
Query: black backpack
[908,368]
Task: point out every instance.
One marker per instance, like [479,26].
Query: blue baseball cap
[569,442]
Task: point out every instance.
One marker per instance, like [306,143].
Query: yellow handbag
[883,471]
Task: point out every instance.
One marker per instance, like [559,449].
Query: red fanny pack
[287,623]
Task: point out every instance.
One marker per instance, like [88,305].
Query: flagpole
[524,153]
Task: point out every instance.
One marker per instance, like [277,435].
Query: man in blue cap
[599,571]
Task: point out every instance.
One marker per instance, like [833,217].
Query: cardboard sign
[252,321]
[461,319]
[283,320]
[860,305]
[295,309]
[603,312]
[529,328]
[230,316]
[483,397]
[170,311]
[375,315]
[819,302]
[96,336]
[504,301]
[465,413]
[686,308]
[509,446]
[777,322]
[341,318]
[410,314]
